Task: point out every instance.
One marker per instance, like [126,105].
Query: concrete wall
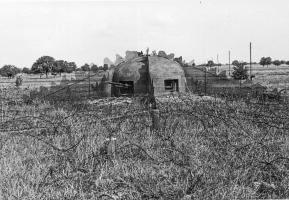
[161,69]
[135,70]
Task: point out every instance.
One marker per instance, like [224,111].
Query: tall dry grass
[201,149]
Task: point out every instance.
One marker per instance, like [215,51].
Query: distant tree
[265,61]
[9,71]
[85,67]
[43,64]
[235,62]
[282,62]
[287,63]
[69,67]
[269,61]
[94,68]
[210,63]
[59,66]
[72,66]
[277,62]
[26,70]
[239,63]
[240,72]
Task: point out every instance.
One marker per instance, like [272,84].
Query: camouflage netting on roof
[132,70]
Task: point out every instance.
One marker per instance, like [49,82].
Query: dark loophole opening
[172,85]
[126,88]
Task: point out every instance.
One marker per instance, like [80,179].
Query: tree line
[268,61]
[264,61]
[46,65]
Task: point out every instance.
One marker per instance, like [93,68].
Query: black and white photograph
[144,100]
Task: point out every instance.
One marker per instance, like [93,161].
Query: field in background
[80,82]
[270,76]
[35,81]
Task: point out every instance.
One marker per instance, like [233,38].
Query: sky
[89,31]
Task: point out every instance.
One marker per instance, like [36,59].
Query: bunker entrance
[172,85]
[127,88]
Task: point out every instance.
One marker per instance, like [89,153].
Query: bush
[26,70]
[18,81]
[9,71]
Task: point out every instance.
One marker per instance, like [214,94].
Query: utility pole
[229,63]
[205,81]
[218,62]
[2,111]
[89,79]
[250,61]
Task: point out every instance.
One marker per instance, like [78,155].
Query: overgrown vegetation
[200,148]
[240,72]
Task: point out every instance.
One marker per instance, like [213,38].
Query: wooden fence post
[155,114]
[110,147]
[2,112]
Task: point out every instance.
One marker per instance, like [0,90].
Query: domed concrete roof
[166,75]
[160,66]
[133,72]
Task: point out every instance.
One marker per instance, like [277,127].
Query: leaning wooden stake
[2,111]
[155,114]
[110,147]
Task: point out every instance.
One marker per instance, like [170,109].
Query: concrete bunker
[140,75]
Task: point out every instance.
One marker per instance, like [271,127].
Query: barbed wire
[179,115]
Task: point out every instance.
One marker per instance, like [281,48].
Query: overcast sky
[89,31]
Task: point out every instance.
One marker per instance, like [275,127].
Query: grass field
[35,81]
[270,76]
[200,148]
[78,83]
